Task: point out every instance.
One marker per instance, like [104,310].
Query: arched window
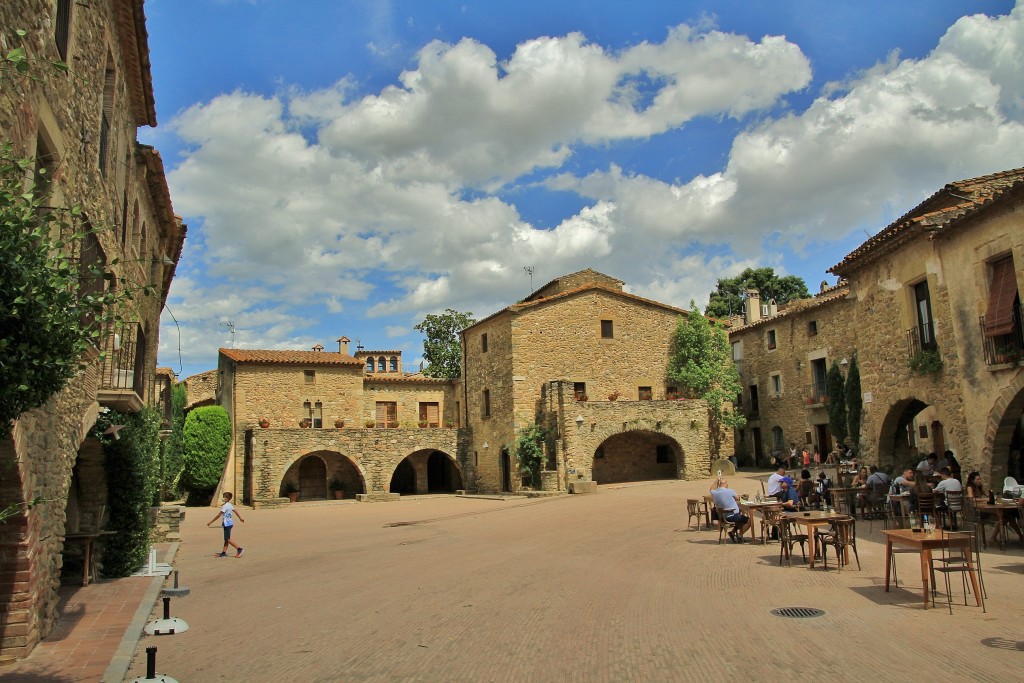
[382,364]
[393,364]
[369,364]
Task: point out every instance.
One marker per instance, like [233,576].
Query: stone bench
[582,486]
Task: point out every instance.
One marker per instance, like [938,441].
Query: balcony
[816,394]
[122,380]
[1005,348]
[921,338]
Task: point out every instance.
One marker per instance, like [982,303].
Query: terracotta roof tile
[943,210]
[269,357]
[833,293]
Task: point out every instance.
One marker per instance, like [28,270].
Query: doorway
[312,478]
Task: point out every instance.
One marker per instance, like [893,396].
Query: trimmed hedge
[132,464]
[206,439]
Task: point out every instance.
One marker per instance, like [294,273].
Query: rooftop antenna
[359,344]
[231,328]
[529,271]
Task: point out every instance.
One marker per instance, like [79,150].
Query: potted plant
[305,423]
[338,488]
[392,425]
[339,423]
[264,422]
[291,490]
[1006,354]
[423,424]
[449,424]
[369,424]
[581,397]
[614,395]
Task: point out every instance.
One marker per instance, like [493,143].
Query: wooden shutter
[999,316]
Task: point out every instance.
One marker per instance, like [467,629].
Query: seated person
[927,466]
[773,487]
[823,489]
[946,485]
[878,478]
[905,482]
[805,488]
[727,499]
[790,498]
[976,489]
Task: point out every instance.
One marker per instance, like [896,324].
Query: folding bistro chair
[957,551]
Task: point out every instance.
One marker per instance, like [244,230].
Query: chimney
[318,347]
[343,345]
[753,312]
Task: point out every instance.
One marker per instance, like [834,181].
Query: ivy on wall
[132,465]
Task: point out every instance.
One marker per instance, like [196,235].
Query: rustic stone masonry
[80,126]
[973,405]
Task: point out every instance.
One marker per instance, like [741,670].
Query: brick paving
[602,587]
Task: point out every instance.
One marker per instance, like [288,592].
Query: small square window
[483,343]
[923,431]
[812,328]
[607,330]
[776,385]
[487,402]
[309,376]
[671,393]
[771,339]
[579,391]
[645,393]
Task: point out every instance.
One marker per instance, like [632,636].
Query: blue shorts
[227,533]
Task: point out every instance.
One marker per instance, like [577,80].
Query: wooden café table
[847,494]
[813,520]
[925,543]
[749,507]
[999,510]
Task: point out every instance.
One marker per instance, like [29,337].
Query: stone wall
[532,344]
[365,459]
[805,331]
[201,389]
[58,116]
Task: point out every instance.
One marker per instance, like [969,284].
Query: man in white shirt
[726,499]
[774,487]
[927,466]
[949,485]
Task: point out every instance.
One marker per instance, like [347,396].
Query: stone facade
[363,429]
[597,341]
[942,252]
[81,127]
[782,361]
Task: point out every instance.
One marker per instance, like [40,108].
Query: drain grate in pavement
[797,612]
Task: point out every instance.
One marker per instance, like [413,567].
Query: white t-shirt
[227,509]
[775,483]
[950,484]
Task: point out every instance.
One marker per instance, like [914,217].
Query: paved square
[603,587]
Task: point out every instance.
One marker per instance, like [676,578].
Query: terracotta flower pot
[264,422]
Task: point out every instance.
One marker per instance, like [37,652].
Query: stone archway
[312,480]
[637,455]
[1004,434]
[426,471]
[897,445]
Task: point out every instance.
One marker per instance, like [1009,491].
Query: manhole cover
[798,612]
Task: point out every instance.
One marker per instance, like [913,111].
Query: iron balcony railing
[1007,348]
[816,393]
[921,338]
[123,347]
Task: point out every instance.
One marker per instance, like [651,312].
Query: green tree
[206,438]
[837,422]
[727,299]
[700,362]
[530,451]
[854,402]
[441,347]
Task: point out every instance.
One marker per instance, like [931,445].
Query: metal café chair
[957,551]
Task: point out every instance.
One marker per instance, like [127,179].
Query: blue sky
[346,168]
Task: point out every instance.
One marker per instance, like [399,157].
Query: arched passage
[637,455]
[1004,438]
[426,471]
[313,473]
[907,436]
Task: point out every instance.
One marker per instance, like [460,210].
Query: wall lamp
[113,430]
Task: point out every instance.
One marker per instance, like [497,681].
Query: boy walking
[227,511]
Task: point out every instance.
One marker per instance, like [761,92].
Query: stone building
[931,306]
[304,419]
[580,355]
[588,361]
[782,355]
[80,127]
